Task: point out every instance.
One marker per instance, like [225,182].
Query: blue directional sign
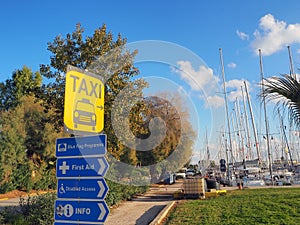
[76,211]
[81,146]
[82,188]
[64,223]
[81,167]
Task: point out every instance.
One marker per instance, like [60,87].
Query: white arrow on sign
[103,212]
[102,188]
[103,166]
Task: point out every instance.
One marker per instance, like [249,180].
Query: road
[9,203]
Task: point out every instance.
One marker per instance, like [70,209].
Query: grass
[276,206]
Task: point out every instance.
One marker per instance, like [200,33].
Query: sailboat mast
[291,63]
[253,125]
[294,76]
[285,138]
[226,106]
[207,148]
[265,114]
[239,131]
[247,125]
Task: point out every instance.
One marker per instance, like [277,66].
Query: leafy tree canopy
[81,51]
[23,82]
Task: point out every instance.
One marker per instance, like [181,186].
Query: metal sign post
[81,164]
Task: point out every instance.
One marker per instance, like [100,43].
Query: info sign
[81,211]
[81,188]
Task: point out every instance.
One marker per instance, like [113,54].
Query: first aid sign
[84,102]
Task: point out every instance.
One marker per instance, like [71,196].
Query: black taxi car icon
[84,113]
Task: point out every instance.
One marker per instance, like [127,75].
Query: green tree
[23,82]
[40,135]
[27,145]
[285,90]
[40,143]
[81,52]
[108,58]
[12,148]
[100,54]
[27,140]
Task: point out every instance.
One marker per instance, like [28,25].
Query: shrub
[47,180]
[38,210]
[11,215]
[6,187]
[119,192]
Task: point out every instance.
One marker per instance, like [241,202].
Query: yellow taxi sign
[84,102]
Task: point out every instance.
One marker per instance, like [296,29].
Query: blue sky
[201,27]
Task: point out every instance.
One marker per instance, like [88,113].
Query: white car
[181,173]
[190,173]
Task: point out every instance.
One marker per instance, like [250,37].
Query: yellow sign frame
[83,102]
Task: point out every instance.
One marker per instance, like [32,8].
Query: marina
[248,156]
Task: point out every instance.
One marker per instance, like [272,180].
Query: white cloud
[234,89]
[242,35]
[232,65]
[214,101]
[199,79]
[273,35]
[209,85]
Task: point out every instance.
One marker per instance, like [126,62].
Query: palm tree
[285,90]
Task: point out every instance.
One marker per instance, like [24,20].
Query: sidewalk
[143,209]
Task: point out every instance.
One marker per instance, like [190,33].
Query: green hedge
[39,210]
[119,192]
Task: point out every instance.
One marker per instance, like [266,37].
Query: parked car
[181,174]
[169,178]
[190,173]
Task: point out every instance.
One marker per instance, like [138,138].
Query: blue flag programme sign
[75,223]
[81,146]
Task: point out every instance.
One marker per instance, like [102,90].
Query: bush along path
[38,207]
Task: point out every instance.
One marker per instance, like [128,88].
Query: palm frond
[285,91]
